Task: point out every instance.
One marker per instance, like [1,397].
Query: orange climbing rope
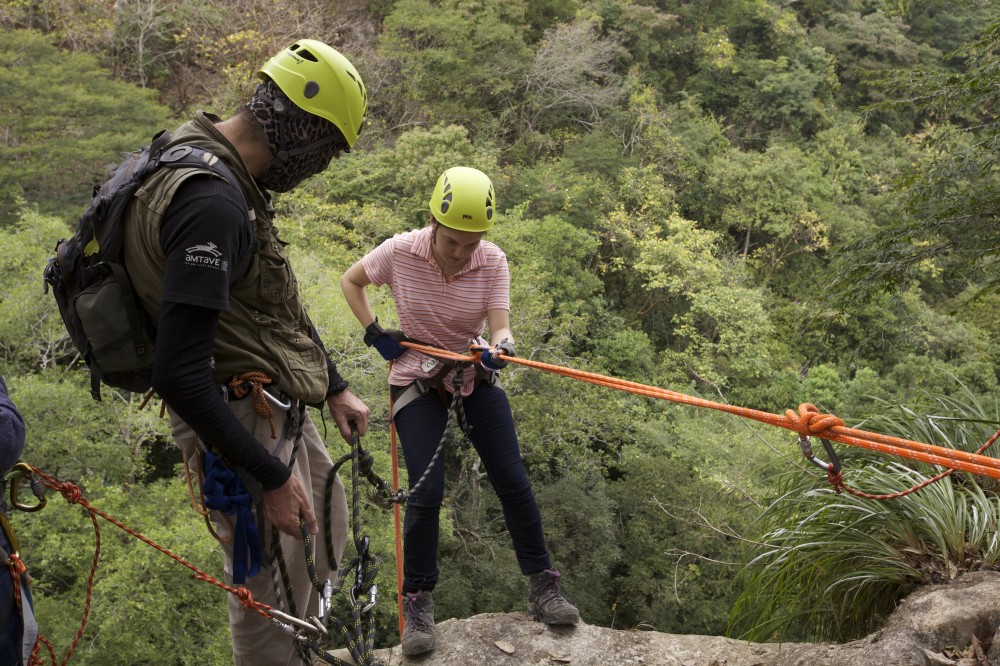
[807,421]
[837,480]
[396,520]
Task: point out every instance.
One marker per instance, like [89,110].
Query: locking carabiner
[23,470]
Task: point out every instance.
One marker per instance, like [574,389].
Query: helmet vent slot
[307,54]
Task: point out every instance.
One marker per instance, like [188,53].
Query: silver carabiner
[372,595]
[324,634]
[285,406]
[325,600]
[277,616]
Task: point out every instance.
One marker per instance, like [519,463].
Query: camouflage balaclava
[302,144]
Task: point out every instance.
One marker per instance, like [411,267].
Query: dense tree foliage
[752,201]
[951,192]
[62,107]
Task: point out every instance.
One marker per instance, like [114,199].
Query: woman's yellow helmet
[463,199]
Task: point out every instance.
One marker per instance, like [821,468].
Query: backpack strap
[189,156]
[160,139]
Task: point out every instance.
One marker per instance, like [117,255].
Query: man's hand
[283,505]
[346,408]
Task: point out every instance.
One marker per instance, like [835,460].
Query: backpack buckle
[176,154]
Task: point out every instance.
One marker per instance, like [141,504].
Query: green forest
[761,203]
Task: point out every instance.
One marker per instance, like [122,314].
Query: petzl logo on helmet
[206,255]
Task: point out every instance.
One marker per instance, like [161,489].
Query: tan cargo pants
[257,642]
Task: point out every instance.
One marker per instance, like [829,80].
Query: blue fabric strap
[225,492]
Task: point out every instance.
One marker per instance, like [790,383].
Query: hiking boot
[547,603]
[418,612]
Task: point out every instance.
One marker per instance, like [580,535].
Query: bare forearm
[353,284]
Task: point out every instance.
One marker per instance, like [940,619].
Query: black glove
[386,342]
[492,359]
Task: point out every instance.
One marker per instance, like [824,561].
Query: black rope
[359,637]
[458,378]
[359,634]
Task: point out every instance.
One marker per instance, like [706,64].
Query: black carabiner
[832,467]
[23,470]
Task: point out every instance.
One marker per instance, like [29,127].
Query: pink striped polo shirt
[445,313]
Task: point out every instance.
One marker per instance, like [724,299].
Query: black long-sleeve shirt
[207,213]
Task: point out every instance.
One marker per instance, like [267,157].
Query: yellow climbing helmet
[320,80]
[463,199]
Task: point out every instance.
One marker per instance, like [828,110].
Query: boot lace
[411,606]
[549,589]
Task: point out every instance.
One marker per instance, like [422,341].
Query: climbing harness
[455,403]
[422,387]
[457,408]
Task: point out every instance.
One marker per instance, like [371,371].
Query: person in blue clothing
[18,630]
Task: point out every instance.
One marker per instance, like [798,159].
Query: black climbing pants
[420,426]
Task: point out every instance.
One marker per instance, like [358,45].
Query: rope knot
[246,598]
[808,421]
[253,382]
[836,480]
[71,492]
[365,463]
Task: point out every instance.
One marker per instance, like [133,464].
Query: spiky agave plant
[829,566]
